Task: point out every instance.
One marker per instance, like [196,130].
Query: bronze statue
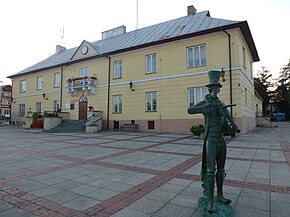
[217,122]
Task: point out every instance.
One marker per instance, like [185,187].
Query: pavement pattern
[135,174]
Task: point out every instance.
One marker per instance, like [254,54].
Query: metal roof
[188,26]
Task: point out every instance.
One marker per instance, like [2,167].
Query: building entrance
[83,107]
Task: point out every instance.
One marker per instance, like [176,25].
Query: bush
[197,130]
[34,116]
[37,124]
[50,114]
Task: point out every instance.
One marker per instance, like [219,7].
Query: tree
[282,94]
[264,85]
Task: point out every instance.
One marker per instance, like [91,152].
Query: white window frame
[56,105]
[118,69]
[151,63]
[22,86]
[84,72]
[195,95]
[196,56]
[151,101]
[38,107]
[117,103]
[39,83]
[21,110]
[57,79]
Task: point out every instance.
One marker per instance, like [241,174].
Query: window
[39,83]
[151,125]
[244,57]
[84,72]
[150,63]
[23,86]
[21,110]
[118,68]
[72,106]
[196,56]
[195,95]
[38,107]
[118,104]
[55,105]
[7,113]
[57,79]
[151,101]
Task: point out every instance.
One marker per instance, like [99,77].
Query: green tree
[281,97]
[264,86]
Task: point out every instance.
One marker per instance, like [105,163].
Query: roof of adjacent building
[185,27]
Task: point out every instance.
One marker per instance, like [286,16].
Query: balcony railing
[75,86]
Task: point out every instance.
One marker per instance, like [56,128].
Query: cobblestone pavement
[132,174]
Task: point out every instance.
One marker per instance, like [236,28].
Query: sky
[30,29]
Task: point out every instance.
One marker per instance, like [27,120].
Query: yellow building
[151,75]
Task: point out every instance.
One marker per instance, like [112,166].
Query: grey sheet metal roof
[200,23]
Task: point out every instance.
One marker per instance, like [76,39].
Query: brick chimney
[191,10]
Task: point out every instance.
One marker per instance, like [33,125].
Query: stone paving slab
[136,174]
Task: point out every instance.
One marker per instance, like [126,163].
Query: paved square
[135,174]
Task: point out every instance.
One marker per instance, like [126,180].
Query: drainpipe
[60,96]
[230,70]
[109,89]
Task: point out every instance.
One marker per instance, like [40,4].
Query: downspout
[230,69]
[61,86]
[109,89]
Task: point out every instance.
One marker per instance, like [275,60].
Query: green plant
[197,130]
[34,116]
[50,114]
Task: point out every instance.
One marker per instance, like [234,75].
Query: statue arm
[224,112]
[201,107]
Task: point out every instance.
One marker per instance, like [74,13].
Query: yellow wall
[172,99]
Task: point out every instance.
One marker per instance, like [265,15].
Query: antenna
[62,36]
[137,17]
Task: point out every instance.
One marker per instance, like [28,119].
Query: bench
[130,126]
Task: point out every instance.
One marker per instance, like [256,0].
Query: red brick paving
[45,208]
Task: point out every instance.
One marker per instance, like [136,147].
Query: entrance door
[83,108]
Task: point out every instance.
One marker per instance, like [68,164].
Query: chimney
[59,49]
[191,10]
[114,32]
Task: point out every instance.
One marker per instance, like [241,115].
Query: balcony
[83,85]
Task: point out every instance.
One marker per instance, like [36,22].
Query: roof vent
[114,32]
[191,10]
[59,49]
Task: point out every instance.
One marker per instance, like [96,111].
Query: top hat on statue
[214,78]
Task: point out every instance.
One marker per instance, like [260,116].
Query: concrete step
[70,126]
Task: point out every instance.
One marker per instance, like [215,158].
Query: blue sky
[31,29]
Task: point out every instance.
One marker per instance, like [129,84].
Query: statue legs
[210,184]
[211,156]
[219,182]
[220,175]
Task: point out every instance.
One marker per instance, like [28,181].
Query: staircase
[70,126]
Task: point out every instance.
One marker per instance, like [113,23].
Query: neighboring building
[5,100]
[259,104]
[151,75]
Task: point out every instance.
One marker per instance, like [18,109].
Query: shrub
[50,114]
[197,130]
[37,124]
[34,116]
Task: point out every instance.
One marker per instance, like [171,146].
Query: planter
[50,123]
